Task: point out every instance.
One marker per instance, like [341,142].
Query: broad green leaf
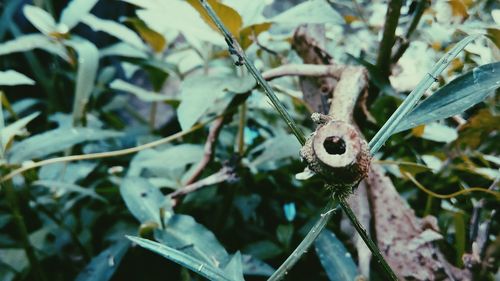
[139,92]
[182,230]
[234,268]
[33,41]
[198,93]
[439,133]
[144,200]
[14,129]
[310,12]
[42,20]
[284,234]
[61,188]
[455,97]
[66,172]
[182,17]
[54,141]
[15,258]
[264,249]
[155,40]
[88,62]
[123,50]
[103,266]
[391,125]
[250,10]
[114,29]
[275,149]
[74,11]
[256,267]
[229,17]
[13,78]
[334,257]
[206,270]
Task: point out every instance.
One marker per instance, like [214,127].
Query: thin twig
[225,174]
[236,49]
[303,70]
[306,242]
[101,154]
[213,134]
[388,37]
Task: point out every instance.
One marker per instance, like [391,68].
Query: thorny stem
[389,36]
[235,48]
[306,242]
[11,197]
[369,242]
[243,59]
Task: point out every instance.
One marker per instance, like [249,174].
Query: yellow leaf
[350,18]
[478,128]
[418,131]
[153,38]
[494,35]
[248,33]
[456,65]
[458,9]
[230,18]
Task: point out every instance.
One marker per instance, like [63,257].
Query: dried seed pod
[337,152]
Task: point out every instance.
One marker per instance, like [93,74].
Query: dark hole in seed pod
[334,145]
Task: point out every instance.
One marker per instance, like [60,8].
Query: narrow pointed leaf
[33,41]
[455,97]
[76,9]
[183,259]
[335,258]
[103,266]
[39,18]
[13,78]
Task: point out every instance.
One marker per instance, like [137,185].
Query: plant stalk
[368,241]
[243,59]
[306,242]
[236,49]
[388,37]
[12,199]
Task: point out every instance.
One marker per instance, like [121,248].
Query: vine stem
[236,49]
[369,242]
[12,199]
[306,242]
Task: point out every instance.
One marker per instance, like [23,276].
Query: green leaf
[123,50]
[144,200]
[139,92]
[14,129]
[56,140]
[198,93]
[15,258]
[39,18]
[310,12]
[264,249]
[439,133]
[334,257]
[33,41]
[66,172]
[13,78]
[391,125]
[74,11]
[206,270]
[103,266]
[88,62]
[256,267]
[60,188]
[182,231]
[455,97]
[284,234]
[114,29]
[234,268]
[275,149]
